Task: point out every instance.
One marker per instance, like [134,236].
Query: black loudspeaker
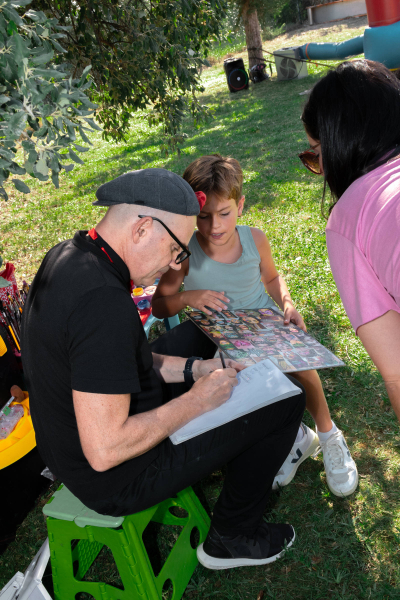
[236,74]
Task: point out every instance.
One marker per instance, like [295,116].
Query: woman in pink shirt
[352,121]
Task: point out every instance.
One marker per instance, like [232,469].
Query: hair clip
[201,198]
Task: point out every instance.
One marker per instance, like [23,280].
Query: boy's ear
[240,206]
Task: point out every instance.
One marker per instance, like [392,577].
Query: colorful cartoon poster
[250,336]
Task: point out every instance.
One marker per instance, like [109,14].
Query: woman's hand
[201,298]
[291,315]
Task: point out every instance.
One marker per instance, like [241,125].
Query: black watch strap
[188,370]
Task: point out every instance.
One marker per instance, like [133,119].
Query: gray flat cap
[157,188]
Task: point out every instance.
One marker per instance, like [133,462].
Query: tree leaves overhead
[266,9]
[41,106]
[144,54]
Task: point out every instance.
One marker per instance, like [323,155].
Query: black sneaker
[226,552]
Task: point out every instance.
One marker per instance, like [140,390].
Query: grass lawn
[345,548]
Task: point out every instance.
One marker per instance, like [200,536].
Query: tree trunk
[253,35]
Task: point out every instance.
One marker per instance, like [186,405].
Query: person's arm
[105,375]
[273,282]
[168,300]
[170,368]
[381,339]
[109,436]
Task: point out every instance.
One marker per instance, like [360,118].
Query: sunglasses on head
[310,161]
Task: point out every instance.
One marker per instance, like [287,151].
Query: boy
[238,260]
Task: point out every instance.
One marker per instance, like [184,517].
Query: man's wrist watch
[188,370]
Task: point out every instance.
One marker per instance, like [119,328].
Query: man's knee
[299,400]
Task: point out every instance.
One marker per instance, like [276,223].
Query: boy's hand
[201,298]
[291,315]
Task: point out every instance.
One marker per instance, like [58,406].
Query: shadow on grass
[261,127]
[334,555]
[346,548]
[359,406]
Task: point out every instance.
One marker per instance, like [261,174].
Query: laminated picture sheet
[250,336]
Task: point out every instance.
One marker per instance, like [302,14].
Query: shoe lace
[335,454]
[253,539]
[249,539]
[334,451]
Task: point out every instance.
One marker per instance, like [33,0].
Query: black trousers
[253,448]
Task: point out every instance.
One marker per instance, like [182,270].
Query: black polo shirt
[81,331]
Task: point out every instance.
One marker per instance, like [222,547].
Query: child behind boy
[231,267]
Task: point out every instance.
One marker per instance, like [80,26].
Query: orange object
[382,12]
[21,440]
[137,291]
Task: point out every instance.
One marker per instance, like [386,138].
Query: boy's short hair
[216,174]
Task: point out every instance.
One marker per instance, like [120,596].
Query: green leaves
[42,108]
[41,166]
[75,157]
[142,54]
[21,186]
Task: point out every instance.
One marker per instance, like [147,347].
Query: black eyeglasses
[185,251]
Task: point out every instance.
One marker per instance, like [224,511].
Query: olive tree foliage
[42,108]
[145,54]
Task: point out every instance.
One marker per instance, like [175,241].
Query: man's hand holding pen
[214,381]
[204,367]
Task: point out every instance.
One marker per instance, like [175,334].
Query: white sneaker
[340,468]
[299,452]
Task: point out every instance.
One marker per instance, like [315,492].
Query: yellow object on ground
[3,347]
[21,440]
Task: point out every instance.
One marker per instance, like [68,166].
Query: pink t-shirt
[363,239]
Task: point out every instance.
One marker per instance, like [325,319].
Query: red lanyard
[94,235]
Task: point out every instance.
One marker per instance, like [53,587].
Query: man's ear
[141,229]
[240,206]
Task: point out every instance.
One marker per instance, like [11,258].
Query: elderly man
[104,402]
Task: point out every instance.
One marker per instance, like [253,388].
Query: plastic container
[382,13]
[137,292]
[9,419]
[146,293]
[20,441]
[143,304]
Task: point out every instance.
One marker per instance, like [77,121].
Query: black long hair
[354,112]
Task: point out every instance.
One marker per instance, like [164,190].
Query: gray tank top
[241,281]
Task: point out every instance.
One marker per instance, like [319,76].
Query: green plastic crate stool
[68,519]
